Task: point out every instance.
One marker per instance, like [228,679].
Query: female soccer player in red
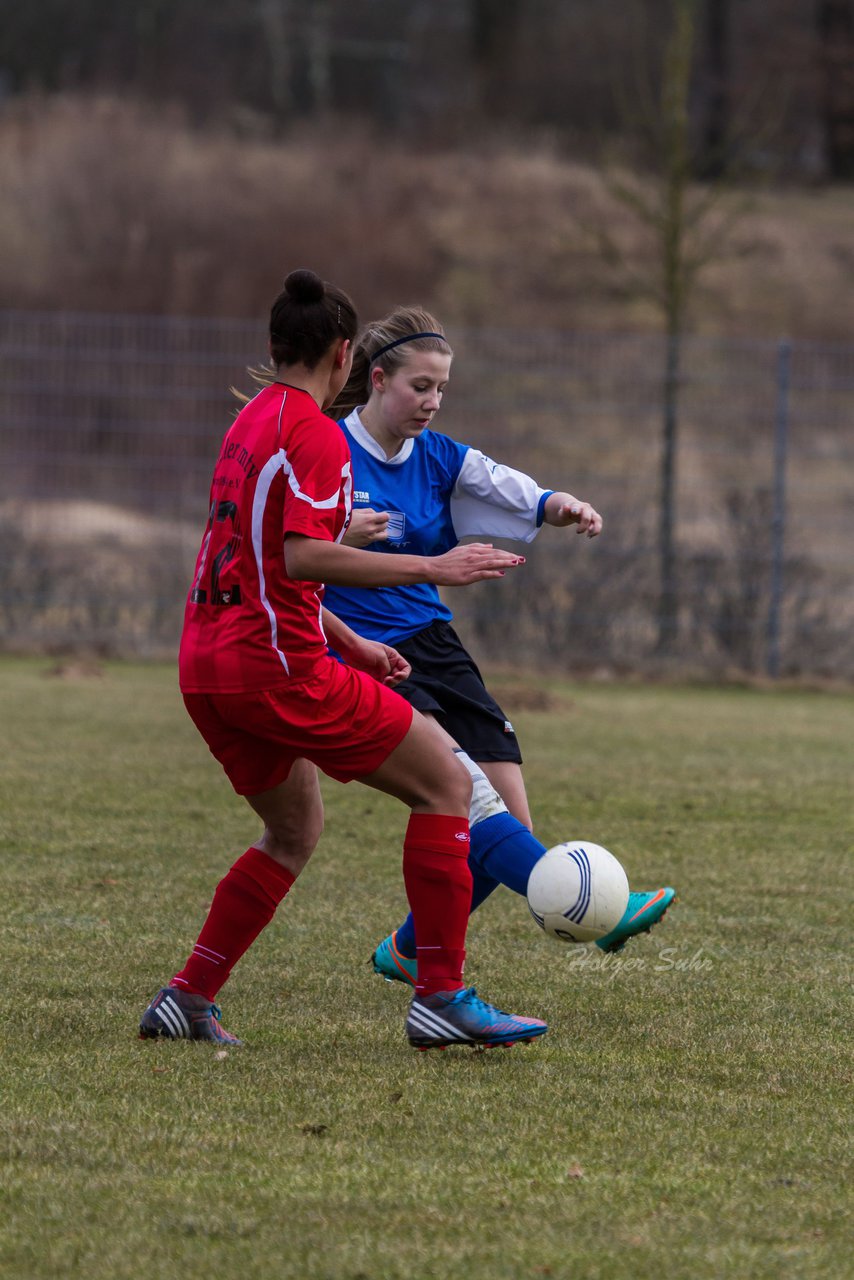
[272,704]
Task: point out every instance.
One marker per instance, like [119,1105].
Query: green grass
[685,1116]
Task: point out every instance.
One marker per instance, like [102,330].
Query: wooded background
[439,72]
[548,177]
[537,162]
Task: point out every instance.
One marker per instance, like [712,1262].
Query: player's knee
[293,843]
[454,787]
[463,782]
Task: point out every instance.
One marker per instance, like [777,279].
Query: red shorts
[341,719]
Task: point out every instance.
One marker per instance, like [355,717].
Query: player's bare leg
[424,773]
[245,901]
[292,814]
[506,778]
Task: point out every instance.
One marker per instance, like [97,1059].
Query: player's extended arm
[314,560]
[562,509]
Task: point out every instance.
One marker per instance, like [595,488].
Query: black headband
[410,337]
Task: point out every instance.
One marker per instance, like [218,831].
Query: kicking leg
[425,775]
[503,851]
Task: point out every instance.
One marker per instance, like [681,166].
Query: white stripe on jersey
[262,490]
[319,504]
[280,462]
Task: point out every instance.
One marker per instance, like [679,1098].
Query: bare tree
[687,225]
[318,59]
[716,85]
[835,28]
[274,16]
[494,28]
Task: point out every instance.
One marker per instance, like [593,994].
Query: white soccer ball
[578,891]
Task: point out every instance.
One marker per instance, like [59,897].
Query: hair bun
[305,286]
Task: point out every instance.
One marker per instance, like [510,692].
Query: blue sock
[404,938]
[481,887]
[503,851]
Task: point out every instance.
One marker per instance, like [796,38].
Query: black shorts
[446,683]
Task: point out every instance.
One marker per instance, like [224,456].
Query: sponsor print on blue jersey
[396,527]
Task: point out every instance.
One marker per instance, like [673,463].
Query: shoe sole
[163,1033]
[618,946]
[422,1046]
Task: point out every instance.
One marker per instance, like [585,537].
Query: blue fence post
[778,518]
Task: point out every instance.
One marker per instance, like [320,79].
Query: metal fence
[110,425]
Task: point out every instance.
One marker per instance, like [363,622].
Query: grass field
[687,1116]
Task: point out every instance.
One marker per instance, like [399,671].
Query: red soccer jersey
[284,467]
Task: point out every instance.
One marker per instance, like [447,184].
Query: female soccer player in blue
[416,491]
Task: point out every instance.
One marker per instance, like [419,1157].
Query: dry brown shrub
[111,206]
[106,588]
[114,206]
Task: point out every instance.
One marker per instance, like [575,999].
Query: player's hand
[366,526]
[582,514]
[399,668]
[472,563]
[378,660]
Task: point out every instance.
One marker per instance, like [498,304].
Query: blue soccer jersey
[436,492]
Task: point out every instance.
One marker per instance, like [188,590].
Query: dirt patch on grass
[75,669]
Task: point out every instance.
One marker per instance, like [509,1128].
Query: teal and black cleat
[644,911]
[390,964]
[178,1015]
[459,1017]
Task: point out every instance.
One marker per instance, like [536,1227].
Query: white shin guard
[485,800]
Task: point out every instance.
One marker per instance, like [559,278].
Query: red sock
[244,903]
[438,885]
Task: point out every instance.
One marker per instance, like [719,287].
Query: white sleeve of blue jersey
[495,501]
